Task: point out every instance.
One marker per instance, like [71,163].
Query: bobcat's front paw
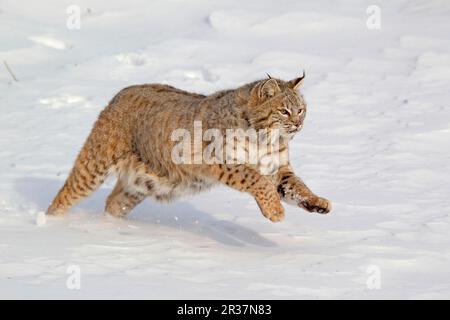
[272,210]
[316,204]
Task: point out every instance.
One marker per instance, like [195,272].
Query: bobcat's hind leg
[86,176]
[123,199]
[104,147]
[135,182]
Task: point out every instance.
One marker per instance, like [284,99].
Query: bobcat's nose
[296,126]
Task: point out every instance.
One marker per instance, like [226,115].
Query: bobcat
[132,138]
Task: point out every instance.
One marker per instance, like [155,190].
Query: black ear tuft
[295,83]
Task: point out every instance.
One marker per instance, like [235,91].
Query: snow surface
[376,142]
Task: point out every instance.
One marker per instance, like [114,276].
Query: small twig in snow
[10,71]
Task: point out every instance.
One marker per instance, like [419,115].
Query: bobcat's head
[277,104]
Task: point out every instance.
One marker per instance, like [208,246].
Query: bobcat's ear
[268,89]
[295,83]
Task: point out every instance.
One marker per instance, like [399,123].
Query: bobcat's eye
[285,112]
[301,112]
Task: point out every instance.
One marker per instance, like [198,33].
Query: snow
[41,218]
[376,142]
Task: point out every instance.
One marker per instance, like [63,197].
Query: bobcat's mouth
[294,129]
